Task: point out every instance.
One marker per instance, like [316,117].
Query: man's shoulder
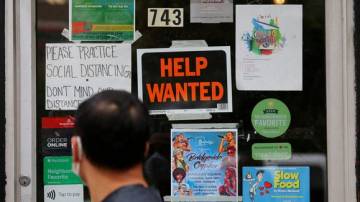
[134,193]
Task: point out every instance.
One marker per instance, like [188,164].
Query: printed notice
[74,72]
[269,47]
[96,20]
[276,184]
[185,80]
[204,162]
[211,11]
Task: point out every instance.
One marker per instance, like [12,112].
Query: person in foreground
[109,146]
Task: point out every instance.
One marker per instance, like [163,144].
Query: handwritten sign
[74,72]
[185,80]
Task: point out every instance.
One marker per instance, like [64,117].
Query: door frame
[341,108]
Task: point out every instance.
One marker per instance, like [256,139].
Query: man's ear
[76,148]
[147,148]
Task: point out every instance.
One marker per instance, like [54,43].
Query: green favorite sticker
[271,118]
[271,151]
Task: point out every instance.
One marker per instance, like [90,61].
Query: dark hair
[113,126]
[178,171]
[259,171]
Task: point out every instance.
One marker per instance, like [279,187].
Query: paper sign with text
[185,80]
[204,162]
[74,72]
[211,11]
[269,47]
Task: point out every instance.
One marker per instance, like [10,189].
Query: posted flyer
[185,80]
[276,184]
[269,47]
[75,72]
[204,162]
[96,20]
[211,11]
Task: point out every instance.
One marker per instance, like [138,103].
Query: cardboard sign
[185,80]
[269,47]
[94,20]
[276,184]
[74,72]
[204,162]
[56,135]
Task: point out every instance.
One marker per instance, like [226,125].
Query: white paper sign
[269,47]
[211,11]
[74,72]
[64,193]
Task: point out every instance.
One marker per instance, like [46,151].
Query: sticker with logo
[271,118]
[58,171]
[64,193]
[271,151]
[56,135]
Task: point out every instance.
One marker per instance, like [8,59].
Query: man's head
[112,127]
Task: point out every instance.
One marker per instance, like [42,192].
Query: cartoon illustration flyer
[98,20]
[269,47]
[204,162]
[276,184]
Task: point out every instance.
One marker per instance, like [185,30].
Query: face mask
[76,166]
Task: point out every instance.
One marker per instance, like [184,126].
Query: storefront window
[305,136]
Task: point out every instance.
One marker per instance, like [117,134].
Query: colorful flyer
[56,135]
[204,162]
[276,184]
[95,20]
[269,50]
[74,72]
[271,118]
[211,11]
[185,80]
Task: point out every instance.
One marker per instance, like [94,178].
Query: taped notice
[269,47]
[211,11]
[74,72]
